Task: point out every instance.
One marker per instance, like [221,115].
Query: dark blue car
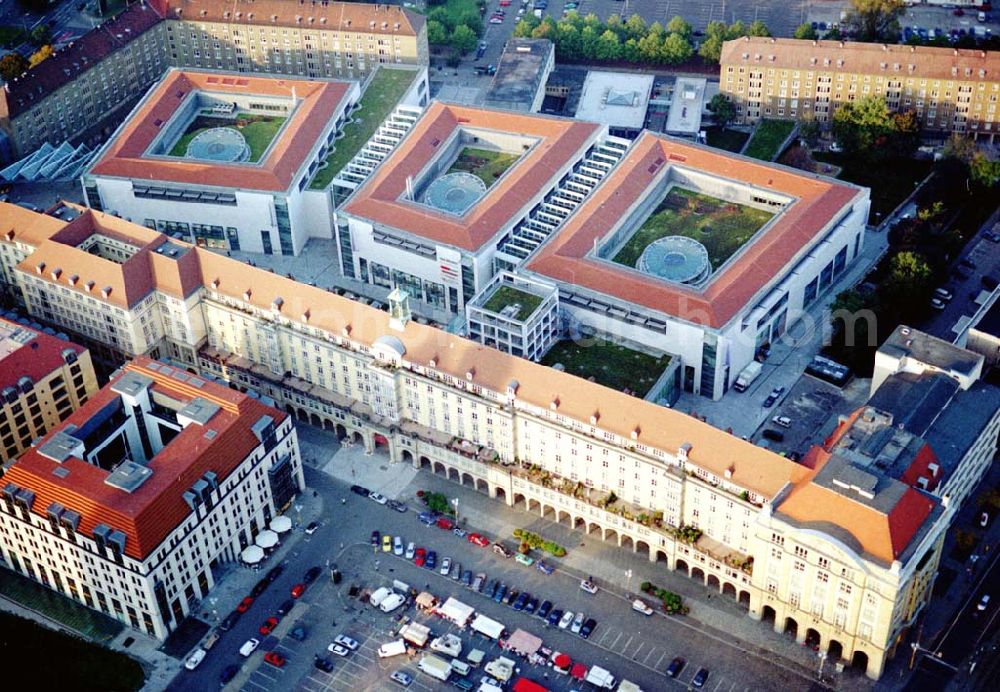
[554,617]
[521,600]
[501,592]
[432,558]
[544,609]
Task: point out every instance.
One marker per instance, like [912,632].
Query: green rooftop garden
[609,364]
[383,93]
[507,295]
[486,164]
[258,131]
[769,135]
[722,227]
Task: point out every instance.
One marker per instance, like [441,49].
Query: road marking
[718,684]
[660,660]
[733,686]
[625,648]
[651,652]
[612,645]
[638,649]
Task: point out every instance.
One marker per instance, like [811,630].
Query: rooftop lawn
[507,295]
[486,164]
[259,132]
[58,661]
[722,227]
[609,364]
[730,140]
[768,136]
[380,98]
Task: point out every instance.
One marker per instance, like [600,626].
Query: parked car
[245,604]
[397,546]
[211,640]
[344,640]
[338,650]
[531,605]
[427,518]
[589,625]
[259,588]
[275,659]
[577,623]
[432,558]
[230,620]
[401,678]
[525,560]
[398,506]
[375,538]
[773,396]
[511,596]
[298,633]
[268,626]
[410,550]
[249,646]
[675,667]
[460,532]
[311,574]
[467,577]
[521,600]
[984,602]
[456,571]
[567,619]
[700,678]
[783,421]
[386,543]
[445,523]
[501,593]
[943,293]
[544,567]
[502,550]
[286,607]
[478,581]
[477,539]
[938,304]
[588,586]
[773,435]
[544,609]
[555,617]
[420,557]
[360,490]
[228,673]
[324,664]
[445,566]
[195,659]
[311,529]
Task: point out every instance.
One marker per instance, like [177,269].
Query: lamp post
[628,583]
[454,503]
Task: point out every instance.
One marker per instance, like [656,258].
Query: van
[774,435]
[195,659]
[380,595]
[640,606]
[783,421]
[460,667]
[210,641]
[396,648]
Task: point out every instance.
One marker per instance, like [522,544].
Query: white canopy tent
[455,611]
[252,554]
[267,539]
[484,625]
[281,524]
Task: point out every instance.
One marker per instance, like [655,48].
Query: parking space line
[625,648]
[638,649]
[733,686]
[651,652]
[612,645]
[718,684]
[660,660]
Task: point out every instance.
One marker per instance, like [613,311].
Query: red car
[298,590]
[268,626]
[479,540]
[274,658]
[420,557]
[445,523]
[245,604]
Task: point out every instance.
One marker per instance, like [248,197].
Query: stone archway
[482,486]
[729,590]
[520,501]
[661,556]
[534,506]
[341,431]
[611,534]
[440,469]
[835,651]
[627,543]
[500,494]
[315,420]
[767,613]
[407,456]
[813,638]
[682,566]
[425,463]
[327,424]
[467,479]
[580,524]
[859,661]
[744,599]
[356,438]
[791,627]
[564,518]
[289,409]
[380,440]
[698,573]
[642,547]
[713,582]
[593,528]
[302,415]
[453,474]
[548,512]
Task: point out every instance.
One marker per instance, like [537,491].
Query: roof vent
[933,468]
[73,278]
[105,292]
[433,362]
[346,331]
[594,417]
[89,286]
[470,374]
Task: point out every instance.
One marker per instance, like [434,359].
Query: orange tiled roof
[928,62]
[563,257]
[317,100]
[380,198]
[148,514]
[319,14]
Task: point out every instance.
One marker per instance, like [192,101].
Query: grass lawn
[507,295]
[258,133]
[58,661]
[379,99]
[890,183]
[609,364]
[722,227]
[768,136]
[485,164]
[730,140]
[55,606]
[11,36]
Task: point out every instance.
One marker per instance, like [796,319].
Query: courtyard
[486,164]
[258,131]
[506,296]
[607,363]
[721,227]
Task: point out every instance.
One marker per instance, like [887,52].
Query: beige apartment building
[99,77]
[838,553]
[950,89]
[43,379]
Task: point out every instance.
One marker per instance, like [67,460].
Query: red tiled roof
[321,14]
[563,258]
[929,62]
[36,358]
[79,56]
[318,102]
[380,199]
[919,468]
[157,507]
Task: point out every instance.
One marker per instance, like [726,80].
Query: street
[65,19]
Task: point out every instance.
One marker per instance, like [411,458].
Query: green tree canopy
[874,20]
[758,28]
[806,32]
[723,109]
[676,49]
[678,25]
[523,28]
[867,128]
[437,34]
[12,65]
[463,39]
[910,279]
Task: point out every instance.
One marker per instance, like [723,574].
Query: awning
[562,661]
[252,555]
[525,685]
[578,671]
[267,539]
[456,611]
[281,524]
[484,625]
[426,600]
[524,643]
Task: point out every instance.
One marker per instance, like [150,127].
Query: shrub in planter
[646,586]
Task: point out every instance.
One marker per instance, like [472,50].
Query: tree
[984,171]
[636,26]
[678,25]
[723,110]
[437,34]
[867,128]
[463,39]
[806,32]
[609,46]
[523,28]
[40,35]
[874,20]
[442,17]
[588,42]
[909,280]
[809,130]
[758,28]
[40,55]
[650,47]
[12,65]
[676,49]
[711,47]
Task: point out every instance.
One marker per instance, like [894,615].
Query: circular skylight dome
[455,192]
[222,144]
[675,258]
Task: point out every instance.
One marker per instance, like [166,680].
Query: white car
[445,566]
[195,659]
[393,601]
[337,649]
[783,421]
[984,602]
[410,550]
[577,623]
[381,499]
[397,546]
[249,646]
[379,595]
[567,618]
[344,640]
[588,586]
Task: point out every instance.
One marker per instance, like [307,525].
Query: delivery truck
[747,376]
[434,666]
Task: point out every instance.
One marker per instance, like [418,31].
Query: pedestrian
[343,500]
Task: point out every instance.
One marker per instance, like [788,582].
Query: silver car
[456,571]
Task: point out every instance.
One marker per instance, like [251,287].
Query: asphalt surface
[65,20]
[626,643]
